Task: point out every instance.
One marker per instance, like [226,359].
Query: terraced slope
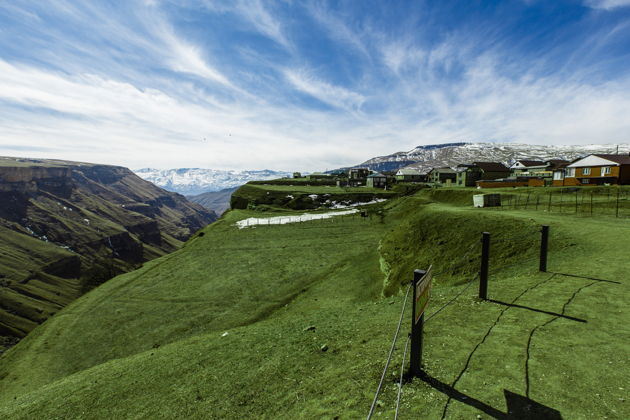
[295,321]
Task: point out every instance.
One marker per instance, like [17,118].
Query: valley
[68,227]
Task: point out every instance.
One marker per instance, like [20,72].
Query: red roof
[620,159]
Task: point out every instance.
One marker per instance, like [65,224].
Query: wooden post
[485,260]
[415,363]
[544,242]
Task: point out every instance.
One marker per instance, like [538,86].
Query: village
[594,169]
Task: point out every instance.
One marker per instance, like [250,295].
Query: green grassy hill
[295,321]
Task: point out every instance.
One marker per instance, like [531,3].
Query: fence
[583,201]
[415,337]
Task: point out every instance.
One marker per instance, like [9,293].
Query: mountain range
[195,181]
[452,154]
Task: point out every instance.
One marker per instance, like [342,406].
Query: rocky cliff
[66,227]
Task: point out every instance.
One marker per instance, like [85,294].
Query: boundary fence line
[484,261]
[389,358]
[582,201]
[393,346]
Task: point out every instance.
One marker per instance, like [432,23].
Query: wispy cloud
[336,27]
[335,96]
[607,4]
[182,56]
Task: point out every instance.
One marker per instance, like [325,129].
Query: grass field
[302,197]
[295,321]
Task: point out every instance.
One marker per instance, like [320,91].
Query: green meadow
[296,321]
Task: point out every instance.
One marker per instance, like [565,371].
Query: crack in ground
[533,331]
[448,402]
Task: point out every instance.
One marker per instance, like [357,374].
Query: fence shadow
[529,308]
[519,407]
[585,277]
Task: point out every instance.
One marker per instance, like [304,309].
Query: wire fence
[474,247]
[389,357]
[582,201]
[470,249]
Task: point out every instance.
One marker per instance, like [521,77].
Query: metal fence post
[544,242]
[415,365]
[485,260]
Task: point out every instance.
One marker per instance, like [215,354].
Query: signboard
[423,292]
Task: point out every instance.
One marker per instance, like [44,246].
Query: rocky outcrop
[30,180]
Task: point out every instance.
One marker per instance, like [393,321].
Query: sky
[306,85]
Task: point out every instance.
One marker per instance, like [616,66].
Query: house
[558,171]
[443,175]
[529,168]
[469,174]
[410,175]
[597,170]
[357,176]
[376,180]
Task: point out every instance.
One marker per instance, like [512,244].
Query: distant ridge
[195,181]
[452,154]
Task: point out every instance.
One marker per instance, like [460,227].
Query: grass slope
[152,343]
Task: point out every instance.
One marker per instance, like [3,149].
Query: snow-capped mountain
[193,181]
[453,154]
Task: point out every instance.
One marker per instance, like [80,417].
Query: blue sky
[306,85]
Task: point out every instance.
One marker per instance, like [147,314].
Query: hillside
[453,154]
[217,201]
[295,321]
[67,227]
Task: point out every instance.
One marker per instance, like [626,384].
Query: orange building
[596,170]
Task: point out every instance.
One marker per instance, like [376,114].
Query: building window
[606,170]
[570,172]
[586,171]
[585,181]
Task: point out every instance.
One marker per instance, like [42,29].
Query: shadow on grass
[514,305]
[585,277]
[518,406]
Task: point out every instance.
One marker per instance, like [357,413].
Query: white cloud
[97,119]
[607,4]
[336,28]
[186,58]
[256,14]
[259,16]
[336,96]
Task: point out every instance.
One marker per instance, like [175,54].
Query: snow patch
[346,204]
